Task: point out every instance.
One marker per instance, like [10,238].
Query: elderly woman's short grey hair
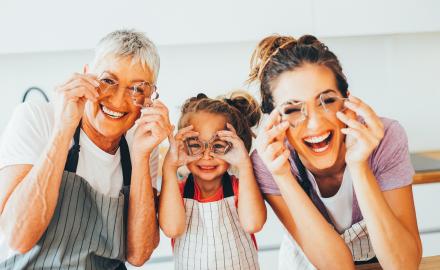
[129,43]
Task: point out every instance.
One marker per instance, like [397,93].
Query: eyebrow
[116,77]
[316,97]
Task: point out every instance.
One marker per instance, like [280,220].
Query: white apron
[356,237]
[214,238]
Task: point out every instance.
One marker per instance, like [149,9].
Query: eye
[108,81]
[329,100]
[194,145]
[138,89]
[290,110]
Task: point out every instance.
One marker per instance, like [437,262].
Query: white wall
[396,74]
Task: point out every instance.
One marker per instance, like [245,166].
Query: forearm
[171,209]
[251,207]
[30,207]
[320,242]
[142,227]
[394,245]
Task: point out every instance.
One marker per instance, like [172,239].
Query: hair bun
[246,105]
[201,96]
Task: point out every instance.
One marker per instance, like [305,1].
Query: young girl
[213,227]
[337,175]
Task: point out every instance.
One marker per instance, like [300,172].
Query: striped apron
[214,238]
[87,230]
[356,238]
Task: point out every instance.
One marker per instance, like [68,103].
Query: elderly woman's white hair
[129,43]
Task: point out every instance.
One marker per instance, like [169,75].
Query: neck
[109,145]
[329,180]
[208,188]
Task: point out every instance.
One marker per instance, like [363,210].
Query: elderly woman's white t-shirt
[26,136]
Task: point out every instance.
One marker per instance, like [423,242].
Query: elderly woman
[77,189]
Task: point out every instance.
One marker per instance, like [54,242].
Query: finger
[92,79]
[188,134]
[277,130]
[363,110]
[156,110]
[281,159]
[171,135]
[78,82]
[80,92]
[233,140]
[357,134]
[349,121]
[226,133]
[274,149]
[150,118]
[273,119]
[231,128]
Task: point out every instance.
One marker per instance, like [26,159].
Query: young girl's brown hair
[239,108]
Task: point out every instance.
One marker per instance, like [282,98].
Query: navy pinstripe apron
[214,238]
[87,230]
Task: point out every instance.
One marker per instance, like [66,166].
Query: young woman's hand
[177,155]
[271,147]
[237,156]
[361,138]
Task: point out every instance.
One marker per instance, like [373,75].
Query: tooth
[317,139]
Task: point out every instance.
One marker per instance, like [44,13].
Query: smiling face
[207,124]
[318,139]
[114,113]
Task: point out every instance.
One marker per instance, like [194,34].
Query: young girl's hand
[361,139]
[177,155]
[270,145]
[237,156]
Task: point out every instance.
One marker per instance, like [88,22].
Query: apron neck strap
[72,156]
[189,189]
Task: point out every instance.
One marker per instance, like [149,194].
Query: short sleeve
[264,178]
[26,134]
[391,162]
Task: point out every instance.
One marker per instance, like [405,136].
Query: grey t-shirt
[390,163]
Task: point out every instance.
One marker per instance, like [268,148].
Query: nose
[207,153]
[118,97]
[313,119]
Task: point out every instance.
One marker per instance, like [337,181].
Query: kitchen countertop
[428,263]
[427,166]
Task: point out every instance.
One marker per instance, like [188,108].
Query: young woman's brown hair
[276,54]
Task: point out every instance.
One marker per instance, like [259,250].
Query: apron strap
[189,189]
[72,156]
[228,191]
[125,161]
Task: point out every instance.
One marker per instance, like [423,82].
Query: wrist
[245,164]
[140,158]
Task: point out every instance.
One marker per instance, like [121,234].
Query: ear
[86,69]
[348,93]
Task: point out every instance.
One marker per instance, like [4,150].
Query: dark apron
[88,229]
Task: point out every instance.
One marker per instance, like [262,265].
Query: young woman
[212,228]
[328,165]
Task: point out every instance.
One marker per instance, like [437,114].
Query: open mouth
[206,168]
[319,144]
[111,113]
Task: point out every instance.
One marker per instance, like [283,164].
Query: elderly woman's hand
[152,128]
[71,98]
